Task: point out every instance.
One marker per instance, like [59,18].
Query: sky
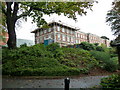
[93,22]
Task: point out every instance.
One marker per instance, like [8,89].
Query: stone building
[65,35]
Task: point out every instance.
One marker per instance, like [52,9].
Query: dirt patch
[93,72]
[99,72]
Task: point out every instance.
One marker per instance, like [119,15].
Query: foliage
[99,48]
[111,82]
[36,10]
[113,52]
[113,18]
[87,46]
[77,57]
[47,60]
[105,61]
[52,60]
[37,66]
[96,44]
[23,45]
[104,37]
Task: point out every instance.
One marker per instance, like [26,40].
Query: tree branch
[25,13]
[15,10]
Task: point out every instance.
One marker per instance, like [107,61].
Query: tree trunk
[10,21]
[12,37]
[118,51]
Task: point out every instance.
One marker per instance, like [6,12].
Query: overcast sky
[93,22]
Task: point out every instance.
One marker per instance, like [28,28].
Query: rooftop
[59,23]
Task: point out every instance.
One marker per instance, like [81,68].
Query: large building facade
[66,35]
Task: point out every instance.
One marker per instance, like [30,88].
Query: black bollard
[67,82]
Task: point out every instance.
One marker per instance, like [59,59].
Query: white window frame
[49,30]
[49,36]
[37,40]
[58,28]
[59,36]
[63,37]
[68,38]
[41,32]
[72,39]
[67,31]
[37,33]
[63,29]
[78,35]
[71,32]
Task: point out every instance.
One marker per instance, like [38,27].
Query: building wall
[66,36]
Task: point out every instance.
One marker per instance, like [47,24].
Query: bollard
[67,82]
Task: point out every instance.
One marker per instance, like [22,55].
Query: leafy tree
[104,37]
[14,11]
[113,18]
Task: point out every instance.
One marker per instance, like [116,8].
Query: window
[77,41]
[37,33]
[49,30]
[37,40]
[59,38]
[67,31]
[68,39]
[63,29]
[40,39]
[54,28]
[71,32]
[44,38]
[78,35]
[45,31]
[41,32]
[63,37]
[49,36]
[58,28]
[83,36]
[71,39]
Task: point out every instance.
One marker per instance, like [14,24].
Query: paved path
[81,82]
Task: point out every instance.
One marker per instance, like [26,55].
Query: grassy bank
[51,60]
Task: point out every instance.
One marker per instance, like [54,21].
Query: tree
[14,11]
[104,37]
[113,18]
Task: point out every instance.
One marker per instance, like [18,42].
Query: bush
[105,61]
[87,46]
[36,60]
[48,60]
[77,57]
[112,82]
[99,48]
[23,45]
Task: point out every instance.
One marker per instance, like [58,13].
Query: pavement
[80,82]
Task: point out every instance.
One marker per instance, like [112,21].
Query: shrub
[101,56]
[110,66]
[99,48]
[112,81]
[23,45]
[52,47]
[87,46]
[104,60]
[77,57]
